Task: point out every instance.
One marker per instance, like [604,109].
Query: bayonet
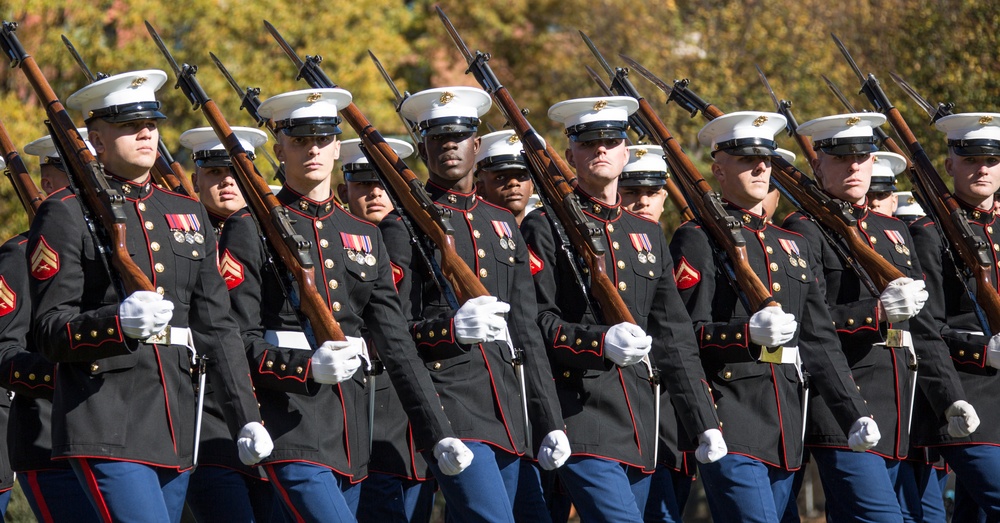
[91,77]
[411,127]
[880,134]
[678,93]
[942,109]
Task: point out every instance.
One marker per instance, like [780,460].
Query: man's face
[645,201]
[217,190]
[977,178]
[366,200]
[882,202]
[508,188]
[307,158]
[845,177]
[451,156]
[598,159]
[127,149]
[743,180]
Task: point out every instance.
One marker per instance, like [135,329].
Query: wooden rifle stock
[104,204]
[24,186]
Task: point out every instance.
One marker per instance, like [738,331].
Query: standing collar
[306,206]
[598,208]
[450,198]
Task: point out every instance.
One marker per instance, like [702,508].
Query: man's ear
[569,157]
[475,146]
[718,172]
[194,179]
[948,164]
[94,136]
[342,192]
[814,163]
[279,151]
[422,151]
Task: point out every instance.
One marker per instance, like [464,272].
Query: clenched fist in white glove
[864,435]
[993,352]
[480,320]
[554,450]
[626,343]
[902,299]
[253,443]
[336,361]
[962,419]
[144,314]
[772,327]
[452,456]
[711,446]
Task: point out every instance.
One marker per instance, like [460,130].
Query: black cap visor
[982,147]
[602,130]
[359,173]
[642,179]
[747,147]
[847,146]
[501,162]
[210,158]
[326,126]
[129,112]
[449,125]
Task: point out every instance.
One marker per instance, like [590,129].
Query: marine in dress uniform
[312,395]
[604,385]
[50,486]
[399,486]
[874,332]
[974,163]
[222,487]
[754,359]
[470,350]
[123,412]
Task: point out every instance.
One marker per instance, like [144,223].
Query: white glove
[452,456]
[253,443]
[962,419]
[626,343]
[993,352]
[772,327]
[864,435]
[144,314]
[554,450]
[336,361]
[902,299]
[711,446]
[480,320]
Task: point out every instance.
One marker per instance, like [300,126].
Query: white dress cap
[500,150]
[595,118]
[884,170]
[447,110]
[122,97]
[645,167]
[743,133]
[908,206]
[843,134]
[309,112]
[45,147]
[786,155]
[972,134]
[355,164]
[208,151]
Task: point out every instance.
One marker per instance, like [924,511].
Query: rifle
[673,191]
[807,195]
[725,230]
[291,247]
[970,248]
[784,107]
[165,167]
[432,219]
[18,175]
[411,127]
[100,203]
[250,102]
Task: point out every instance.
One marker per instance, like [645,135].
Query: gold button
[594,343]
[419,335]
[989,229]
[481,253]
[142,206]
[155,246]
[650,274]
[194,253]
[47,378]
[597,208]
[769,249]
[328,263]
[31,376]
[622,286]
[803,277]
[615,245]
[111,332]
[873,239]
[269,364]
[298,370]
[334,284]
[996,247]
[864,225]
[362,274]
[319,224]
[727,375]
[961,352]
[708,337]
[976,214]
[621,264]
[868,321]
[562,338]
[722,336]
[975,355]
[476,234]
[760,235]
[850,321]
[17,374]
[336,306]
[283,366]
[774,267]
[468,216]
[158,267]
[94,367]
[149,225]
[579,341]
[430,334]
[776,286]
[77,337]
[909,263]
[93,334]
[566,374]
[437,365]
[739,335]
[611,227]
[444,332]
[482,273]
[323,243]
[160,291]
[303,205]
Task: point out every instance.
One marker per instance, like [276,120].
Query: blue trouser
[978,469]
[605,490]
[742,489]
[918,489]
[668,493]
[791,514]
[859,486]
[127,491]
[56,495]
[313,493]
[485,491]
[387,498]
[219,494]
[529,503]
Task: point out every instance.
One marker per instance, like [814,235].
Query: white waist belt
[288,339]
[171,335]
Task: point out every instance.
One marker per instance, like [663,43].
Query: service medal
[352,255]
[642,257]
[370,259]
[199,238]
[178,236]
[651,257]
[503,243]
